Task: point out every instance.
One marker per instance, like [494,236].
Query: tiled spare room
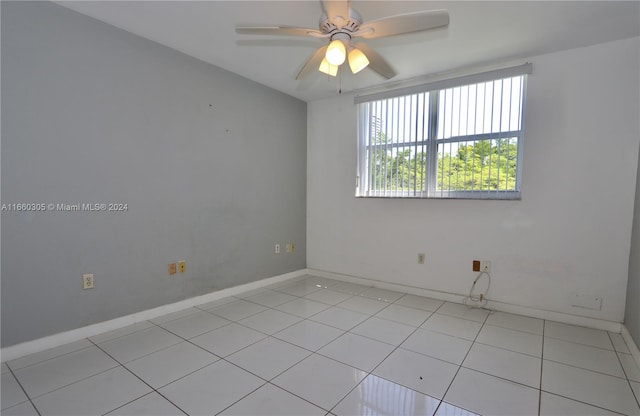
[320,207]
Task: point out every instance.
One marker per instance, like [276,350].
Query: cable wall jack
[478,299]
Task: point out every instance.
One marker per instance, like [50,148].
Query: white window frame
[432,141]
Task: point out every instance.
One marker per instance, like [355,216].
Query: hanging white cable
[478,300]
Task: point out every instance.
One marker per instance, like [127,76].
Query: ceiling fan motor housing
[335,24]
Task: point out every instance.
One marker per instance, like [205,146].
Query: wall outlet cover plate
[581,300]
[87,281]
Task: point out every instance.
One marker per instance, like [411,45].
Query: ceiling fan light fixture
[357,60]
[336,53]
[327,68]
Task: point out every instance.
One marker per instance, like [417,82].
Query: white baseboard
[52,341]
[631,344]
[497,306]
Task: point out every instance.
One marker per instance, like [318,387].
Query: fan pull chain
[340,79]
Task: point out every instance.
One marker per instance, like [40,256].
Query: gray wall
[211,165]
[632,312]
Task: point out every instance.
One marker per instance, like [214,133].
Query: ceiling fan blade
[337,11]
[403,23]
[376,61]
[312,63]
[279,30]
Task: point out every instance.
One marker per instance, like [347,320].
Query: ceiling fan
[341,24]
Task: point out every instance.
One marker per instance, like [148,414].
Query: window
[459,138]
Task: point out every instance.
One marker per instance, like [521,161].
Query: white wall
[211,165]
[569,234]
[632,312]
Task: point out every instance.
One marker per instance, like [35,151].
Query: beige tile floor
[316,346]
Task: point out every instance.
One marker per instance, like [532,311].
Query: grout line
[568,365]
[507,349]
[625,373]
[276,386]
[332,326]
[385,358]
[461,362]
[186,315]
[24,391]
[286,369]
[73,382]
[211,311]
[244,396]
[144,395]
[413,307]
[514,329]
[136,376]
[583,344]
[585,403]
[544,323]
[200,308]
[47,359]
[261,331]
[147,354]
[300,346]
[499,377]
[587,369]
[119,336]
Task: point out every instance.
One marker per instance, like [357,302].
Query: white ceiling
[480,33]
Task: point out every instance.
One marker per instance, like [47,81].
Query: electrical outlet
[182,266]
[420,258]
[172,269]
[293,248]
[277,248]
[481,266]
[287,248]
[87,281]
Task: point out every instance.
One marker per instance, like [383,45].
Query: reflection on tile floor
[316,346]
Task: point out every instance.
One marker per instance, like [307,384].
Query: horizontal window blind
[462,141]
